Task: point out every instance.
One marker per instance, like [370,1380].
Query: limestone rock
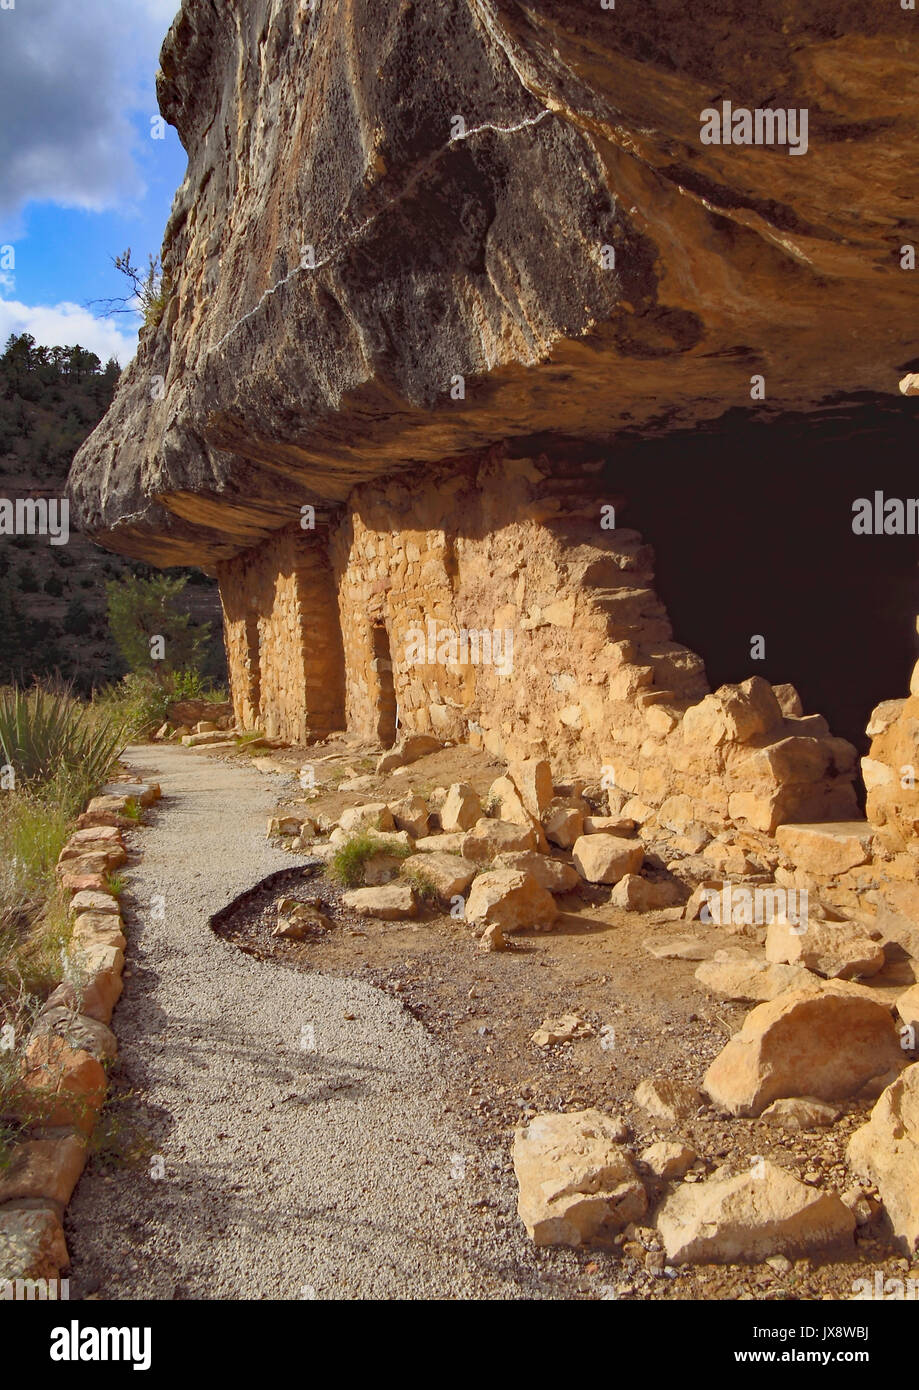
[636,894]
[563,825]
[411,815]
[825,1045]
[298,919]
[678,948]
[283,825]
[509,807]
[552,874]
[514,900]
[390,902]
[800,1112]
[908,1008]
[748,1217]
[577,1181]
[461,809]
[732,714]
[826,849]
[489,838]
[101,835]
[96,972]
[97,929]
[44,1168]
[563,1029]
[144,793]
[79,1031]
[492,939]
[375,815]
[741,976]
[449,874]
[834,949]
[886,1151]
[609,825]
[442,844]
[408,750]
[32,1244]
[668,1160]
[607,858]
[62,1085]
[667,1099]
[533,779]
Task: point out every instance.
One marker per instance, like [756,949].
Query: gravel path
[287,1172]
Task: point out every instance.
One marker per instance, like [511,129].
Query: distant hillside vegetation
[52,597]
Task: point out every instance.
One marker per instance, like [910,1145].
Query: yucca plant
[48,736]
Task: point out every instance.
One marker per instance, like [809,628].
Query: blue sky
[80,176]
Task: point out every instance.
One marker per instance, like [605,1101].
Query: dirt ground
[649,1018]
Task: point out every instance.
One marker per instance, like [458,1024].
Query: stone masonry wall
[497,601]
[596,683]
[282,637]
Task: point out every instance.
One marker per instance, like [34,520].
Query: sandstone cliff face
[342,248]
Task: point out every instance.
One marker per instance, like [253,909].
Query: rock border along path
[277,1171]
[63,1082]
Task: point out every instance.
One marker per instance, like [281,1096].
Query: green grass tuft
[347,864]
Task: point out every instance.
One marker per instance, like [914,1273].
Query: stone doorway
[381,665]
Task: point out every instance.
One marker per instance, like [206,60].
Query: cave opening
[752,527]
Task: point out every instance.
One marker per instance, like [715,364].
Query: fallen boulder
[551,874]
[826,1045]
[577,1181]
[489,838]
[837,950]
[749,1217]
[636,894]
[667,1099]
[390,902]
[607,858]
[511,899]
[886,1151]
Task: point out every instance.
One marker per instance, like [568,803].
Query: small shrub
[347,863]
[423,884]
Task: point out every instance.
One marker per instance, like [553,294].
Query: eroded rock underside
[338,253]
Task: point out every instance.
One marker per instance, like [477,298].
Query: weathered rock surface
[461,809]
[563,1029]
[449,874]
[390,902]
[607,858]
[667,1099]
[512,900]
[838,950]
[763,1212]
[340,247]
[298,919]
[668,1160]
[489,838]
[886,1150]
[552,874]
[637,894]
[32,1244]
[577,1181]
[825,1045]
[800,1112]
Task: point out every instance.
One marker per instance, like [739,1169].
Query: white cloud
[71,75]
[69,323]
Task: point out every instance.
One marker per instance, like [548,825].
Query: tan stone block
[44,1168]
[32,1244]
[61,1086]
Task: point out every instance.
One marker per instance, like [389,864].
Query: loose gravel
[298,1139]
